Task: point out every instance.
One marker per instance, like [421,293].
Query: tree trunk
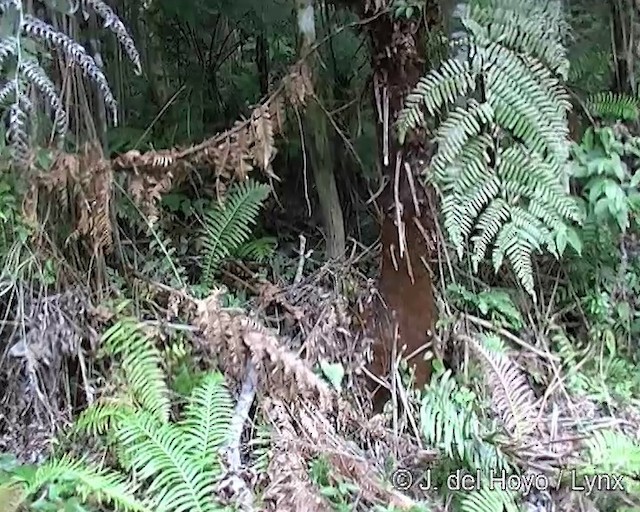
[317,136]
[408,226]
[622,16]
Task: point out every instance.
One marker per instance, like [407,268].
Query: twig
[301,259]
[239,488]
[398,205]
[510,336]
[412,186]
[304,162]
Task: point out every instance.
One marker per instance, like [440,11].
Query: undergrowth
[186,401]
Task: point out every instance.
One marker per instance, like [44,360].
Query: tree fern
[24,70]
[227,226]
[502,149]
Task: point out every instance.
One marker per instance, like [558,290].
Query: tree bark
[318,138]
[622,15]
[408,226]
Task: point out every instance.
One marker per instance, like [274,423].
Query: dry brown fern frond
[232,336]
[512,397]
[232,154]
[298,85]
[289,488]
[309,434]
[263,131]
[81,185]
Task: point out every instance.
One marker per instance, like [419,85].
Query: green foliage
[67,484]
[610,183]
[488,499]
[407,8]
[227,226]
[260,249]
[613,106]
[450,423]
[141,363]
[337,491]
[494,304]
[502,150]
[177,461]
[610,452]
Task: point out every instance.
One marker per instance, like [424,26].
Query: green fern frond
[156,451]
[91,481]
[501,157]
[611,452]
[114,23]
[227,226]
[104,415]
[142,366]
[207,417]
[613,106]
[259,250]
[435,90]
[489,499]
[528,27]
[35,75]
[449,423]
[511,395]
[53,39]
[23,68]
[445,424]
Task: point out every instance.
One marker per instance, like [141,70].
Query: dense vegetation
[205,207]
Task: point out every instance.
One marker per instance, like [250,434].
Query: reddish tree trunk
[405,284]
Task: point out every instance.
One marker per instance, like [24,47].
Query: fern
[25,71]
[207,416]
[103,416]
[489,499]
[154,450]
[610,452]
[142,366]
[512,395]
[227,226]
[501,158]
[90,480]
[179,462]
[450,423]
[260,249]
[613,106]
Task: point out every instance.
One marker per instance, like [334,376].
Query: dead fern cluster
[81,185]
[303,434]
[230,155]
[290,488]
[233,337]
